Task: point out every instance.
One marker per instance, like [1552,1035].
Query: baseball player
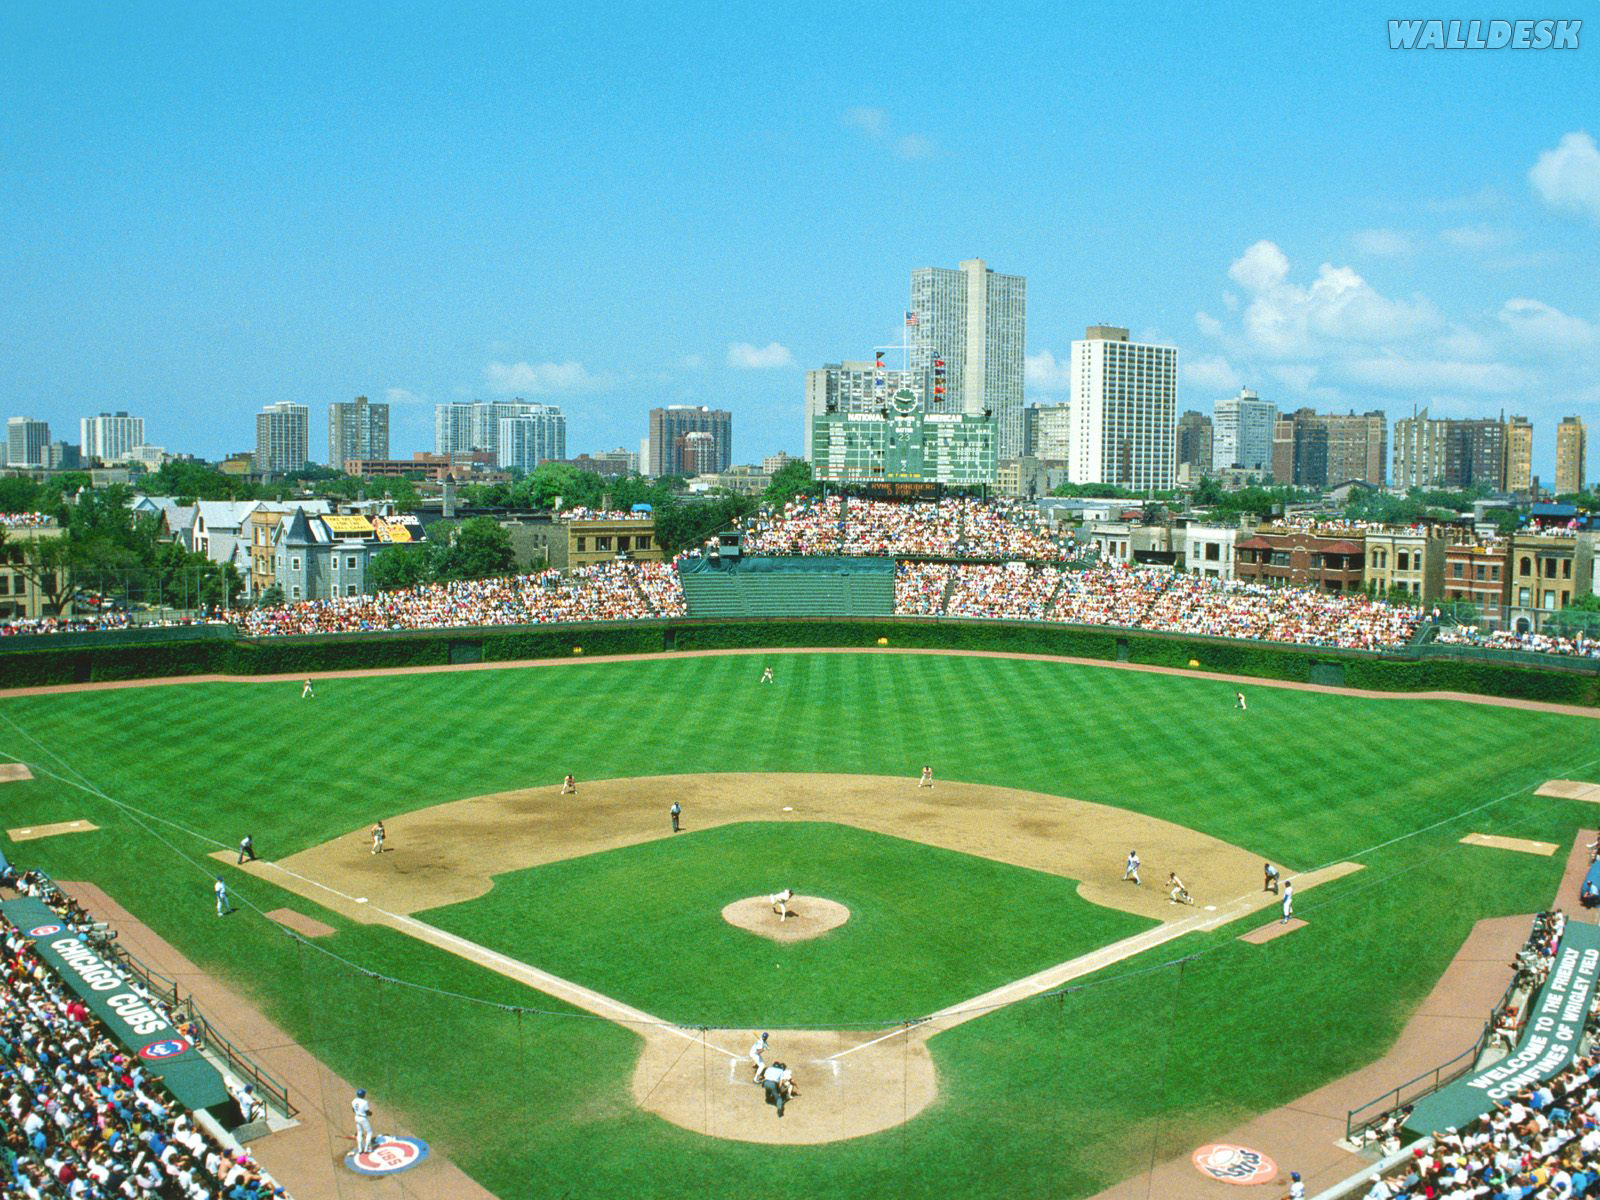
[758,1053]
[377,838]
[675,812]
[780,903]
[569,786]
[1176,891]
[1269,882]
[308,692]
[1238,701]
[221,890]
[1288,901]
[1131,871]
[766,675]
[363,1111]
[927,778]
[247,849]
[1297,1189]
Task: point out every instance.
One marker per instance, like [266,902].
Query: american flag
[911,318]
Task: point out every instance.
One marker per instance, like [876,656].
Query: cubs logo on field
[165,1048]
[44,930]
[388,1156]
[1234,1164]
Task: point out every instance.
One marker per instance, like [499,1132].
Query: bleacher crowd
[605,592]
[1544,1144]
[959,528]
[1577,646]
[1164,601]
[24,520]
[82,1119]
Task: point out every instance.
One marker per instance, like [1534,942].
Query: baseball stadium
[909,850]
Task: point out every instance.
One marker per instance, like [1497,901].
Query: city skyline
[669,250]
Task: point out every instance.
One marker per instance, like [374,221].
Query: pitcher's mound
[809,917]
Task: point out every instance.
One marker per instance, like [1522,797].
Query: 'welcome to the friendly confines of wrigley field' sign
[1549,1041]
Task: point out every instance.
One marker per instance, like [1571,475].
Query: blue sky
[204,209]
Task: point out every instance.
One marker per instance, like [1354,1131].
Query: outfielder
[308,692]
[1238,701]
[363,1111]
[766,675]
[1131,871]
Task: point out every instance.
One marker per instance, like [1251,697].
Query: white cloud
[1464,343]
[537,379]
[1568,176]
[745,356]
[1289,320]
[1546,328]
[691,362]
[1382,243]
[401,396]
[874,122]
[1207,324]
[1297,377]
[1211,373]
[1401,372]
[914,146]
[1476,237]
[1044,372]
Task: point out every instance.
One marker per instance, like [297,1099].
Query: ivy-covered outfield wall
[127,654]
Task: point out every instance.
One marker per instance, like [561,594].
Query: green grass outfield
[1050,1098]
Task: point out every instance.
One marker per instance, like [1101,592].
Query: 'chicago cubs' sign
[44,930]
[388,1156]
[165,1048]
[1234,1164]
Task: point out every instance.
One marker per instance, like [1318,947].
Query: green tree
[400,567]
[20,494]
[685,523]
[478,548]
[790,480]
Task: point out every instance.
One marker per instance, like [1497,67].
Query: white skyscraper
[1241,431]
[529,439]
[110,437]
[1124,404]
[973,321]
[283,438]
[461,427]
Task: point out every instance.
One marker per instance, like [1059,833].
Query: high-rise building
[971,324]
[670,425]
[1453,453]
[1242,431]
[1124,411]
[474,426]
[109,437]
[27,441]
[1047,432]
[627,459]
[1195,437]
[1572,452]
[528,439]
[283,438]
[1326,449]
[1519,456]
[357,430]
